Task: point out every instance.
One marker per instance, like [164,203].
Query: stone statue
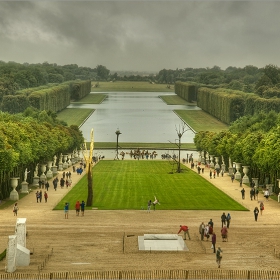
[25,174]
[36,170]
[230,164]
[54,160]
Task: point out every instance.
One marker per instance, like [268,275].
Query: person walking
[185,229]
[243,193]
[55,182]
[201,231]
[211,223]
[62,182]
[224,232]
[77,207]
[256,213]
[149,206]
[219,257]
[46,196]
[261,207]
[257,193]
[83,208]
[15,209]
[232,178]
[223,219]
[252,193]
[47,185]
[66,210]
[214,242]
[40,195]
[206,232]
[228,220]
[266,194]
[37,196]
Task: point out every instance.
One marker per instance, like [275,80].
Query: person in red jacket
[185,229]
[77,207]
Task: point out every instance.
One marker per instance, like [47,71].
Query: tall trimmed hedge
[225,104]
[186,91]
[54,98]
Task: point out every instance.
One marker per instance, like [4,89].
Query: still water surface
[140,116]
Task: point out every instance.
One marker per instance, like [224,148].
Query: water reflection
[141,117]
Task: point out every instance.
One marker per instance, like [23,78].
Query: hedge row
[225,104]
[54,98]
[186,91]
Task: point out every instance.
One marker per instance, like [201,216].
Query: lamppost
[117,150]
[179,146]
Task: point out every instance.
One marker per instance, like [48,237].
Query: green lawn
[92,99]
[201,121]
[74,116]
[130,184]
[175,100]
[131,86]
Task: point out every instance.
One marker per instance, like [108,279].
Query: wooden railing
[154,274]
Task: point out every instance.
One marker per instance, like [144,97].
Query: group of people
[79,207]
[39,195]
[207,230]
[154,203]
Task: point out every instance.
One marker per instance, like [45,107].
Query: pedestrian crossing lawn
[130,184]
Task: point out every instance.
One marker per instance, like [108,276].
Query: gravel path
[107,240]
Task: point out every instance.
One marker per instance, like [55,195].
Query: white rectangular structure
[20,231]
[11,254]
[22,256]
[161,242]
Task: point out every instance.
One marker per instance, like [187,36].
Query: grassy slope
[130,184]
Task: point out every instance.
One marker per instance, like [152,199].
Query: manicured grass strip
[130,184]
[155,146]
[74,116]
[92,98]
[131,86]
[175,100]
[201,121]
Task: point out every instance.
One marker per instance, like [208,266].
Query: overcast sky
[141,35]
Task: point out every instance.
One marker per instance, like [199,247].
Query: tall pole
[179,146]
[117,150]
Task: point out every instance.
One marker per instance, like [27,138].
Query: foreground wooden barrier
[154,274]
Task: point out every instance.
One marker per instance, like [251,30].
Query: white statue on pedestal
[25,174]
[54,160]
[36,171]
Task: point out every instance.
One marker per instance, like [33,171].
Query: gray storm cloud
[141,35]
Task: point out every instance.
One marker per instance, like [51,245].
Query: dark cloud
[141,35]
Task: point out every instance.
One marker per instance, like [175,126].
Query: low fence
[154,275]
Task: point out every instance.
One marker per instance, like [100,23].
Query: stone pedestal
[54,170]
[14,194]
[43,177]
[223,167]
[230,171]
[60,166]
[36,181]
[65,165]
[21,231]
[24,187]
[237,175]
[245,179]
[49,174]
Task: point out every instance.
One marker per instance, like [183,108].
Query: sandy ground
[107,240]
